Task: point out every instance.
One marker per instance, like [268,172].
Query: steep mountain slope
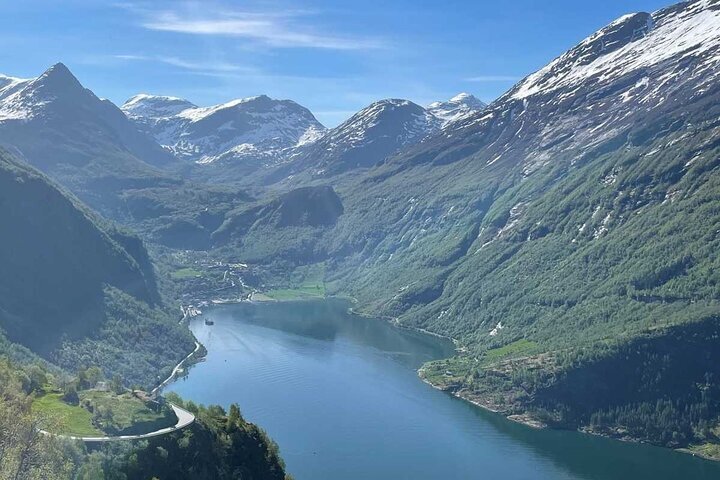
[85,143]
[458,107]
[567,166]
[246,131]
[71,284]
[368,137]
[573,218]
[288,226]
[90,147]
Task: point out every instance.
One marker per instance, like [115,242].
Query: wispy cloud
[203,67]
[492,78]
[287,29]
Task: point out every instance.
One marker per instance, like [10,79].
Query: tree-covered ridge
[83,294]
[659,387]
[76,289]
[219,445]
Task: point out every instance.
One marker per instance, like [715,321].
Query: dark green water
[340,394]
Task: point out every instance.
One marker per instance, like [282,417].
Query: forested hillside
[79,292]
[74,288]
[218,445]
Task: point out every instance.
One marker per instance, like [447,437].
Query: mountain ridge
[243,128]
[174,123]
[567,224]
[89,275]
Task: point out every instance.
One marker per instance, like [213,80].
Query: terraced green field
[100,413]
[68,419]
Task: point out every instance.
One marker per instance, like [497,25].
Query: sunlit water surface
[341,396]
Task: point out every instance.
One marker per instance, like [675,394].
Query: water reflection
[340,395]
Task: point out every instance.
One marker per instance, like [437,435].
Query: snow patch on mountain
[629,44]
[24,99]
[155,106]
[394,122]
[458,107]
[257,127]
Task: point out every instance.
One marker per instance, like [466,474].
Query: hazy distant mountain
[255,130]
[236,140]
[375,133]
[89,146]
[458,107]
[154,107]
[368,137]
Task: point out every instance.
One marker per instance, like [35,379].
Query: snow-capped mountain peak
[24,99]
[464,97]
[371,135]
[58,103]
[155,106]
[631,43]
[258,102]
[459,106]
[401,119]
[57,78]
[246,129]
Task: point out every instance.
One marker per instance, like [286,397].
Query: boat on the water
[209,322]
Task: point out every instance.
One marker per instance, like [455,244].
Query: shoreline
[396,322]
[522,419]
[175,370]
[528,421]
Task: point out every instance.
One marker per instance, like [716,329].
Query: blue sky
[334,57]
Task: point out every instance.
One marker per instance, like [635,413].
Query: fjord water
[340,395]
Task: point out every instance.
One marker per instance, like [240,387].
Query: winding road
[185,418]
[175,370]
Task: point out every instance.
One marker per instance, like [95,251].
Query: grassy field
[299,293]
[185,273]
[706,450]
[307,283]
[71,419]
[448,371]
[114,414]
[516,348]
[127,412]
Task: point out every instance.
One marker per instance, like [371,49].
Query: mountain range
[245,135]
[564,234]
[241,129]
